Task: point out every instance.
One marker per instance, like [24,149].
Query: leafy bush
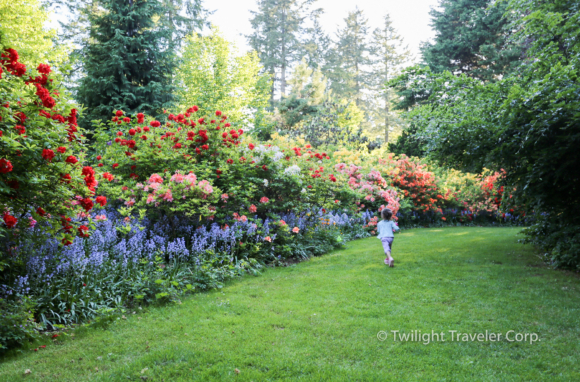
[17,324]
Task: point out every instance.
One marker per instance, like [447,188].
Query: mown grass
[318,321]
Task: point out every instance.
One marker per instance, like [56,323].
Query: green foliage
[331,125]
[23,28]
[17,325]
[471,38]
[126,63]
[214,76]
[409,143]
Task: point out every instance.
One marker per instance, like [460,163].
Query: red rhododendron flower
[218,113]
[146,129]
[251,146]
[48,154]
[230,161]
[144,137]
[66,178]
[102,200]
[219,172]
[83,231]
[155,123]
[9,220]
[71,159]
[40,211]
[205,147]
[115,165]
[21,129]
[119,113]
[5,166]
[87,204]
[108,176]
[132,132]
[127,120]
[120,134]
[61,150]
[224,135]
[44,69]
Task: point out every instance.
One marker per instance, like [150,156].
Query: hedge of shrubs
[155,209]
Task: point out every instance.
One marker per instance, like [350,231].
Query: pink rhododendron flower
[268,239]
[177,178]
[155,179]
[150,198]
[168,196]
[190,179]
[295,229]
[205,187]
[282,222]
[253,209]
[264,199]
[100,218]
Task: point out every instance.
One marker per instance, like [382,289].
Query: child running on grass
[386,227]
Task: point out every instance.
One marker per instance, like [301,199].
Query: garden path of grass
[318,321]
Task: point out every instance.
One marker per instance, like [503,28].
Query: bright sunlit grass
[318,321]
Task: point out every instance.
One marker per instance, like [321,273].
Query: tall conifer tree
[390,54]
[127,60]
[470,38]
[278,37]
[349,64]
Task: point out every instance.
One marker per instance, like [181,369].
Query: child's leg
[387,241]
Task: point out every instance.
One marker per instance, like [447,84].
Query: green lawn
[318,321]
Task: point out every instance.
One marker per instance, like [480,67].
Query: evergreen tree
[348,67]
[317,43]
[470,38]
[390,53]
[308,93]
[279,28]
[126,61]
[180,17]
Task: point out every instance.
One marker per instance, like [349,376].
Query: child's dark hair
[386,214]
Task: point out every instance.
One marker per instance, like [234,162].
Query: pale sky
[410,17]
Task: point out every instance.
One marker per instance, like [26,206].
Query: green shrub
[17,325]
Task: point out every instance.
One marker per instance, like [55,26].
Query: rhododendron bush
[42,177]
[249,178]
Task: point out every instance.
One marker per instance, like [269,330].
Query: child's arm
[395,226]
